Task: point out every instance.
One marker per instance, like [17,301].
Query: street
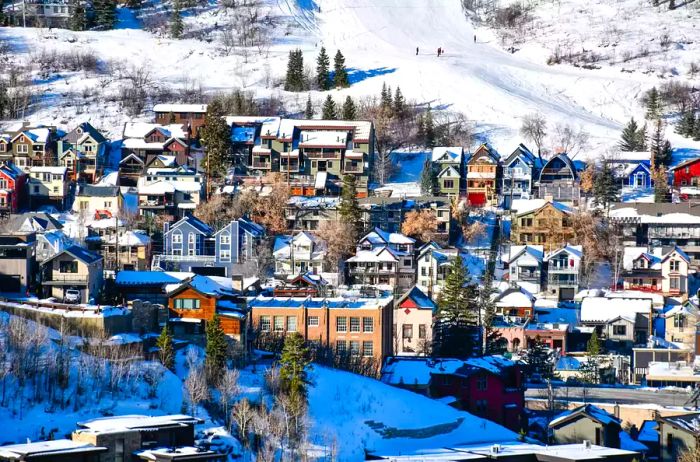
[612,395]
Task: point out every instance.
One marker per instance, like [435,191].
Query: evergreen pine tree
[176,25]
[671,4]
[653,104]
[428,179]
[77,21]
[329,111]
[349,208]
[399,104]
[105,13]
[605,187]
[642,138]
[349,109]
[340,73]
[593,345]
[491,337]
[539,359]
[216,349]
[386,101]
[630,137]
[696,129]
[166,352]
[294,80]
[429,128]
[309,111]
[215,136]
[456,326]
[686,126]
[294,362]
[420,129]
[660,148]
[323,77]
[661,189]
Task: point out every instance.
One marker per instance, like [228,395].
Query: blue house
[192,245]
[519,170]
[637,176]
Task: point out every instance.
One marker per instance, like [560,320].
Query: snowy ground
[378,37]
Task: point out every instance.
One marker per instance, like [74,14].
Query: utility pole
[116,243]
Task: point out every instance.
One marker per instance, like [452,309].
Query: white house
[299,254]
[48,186]
[658,269]
[563,269]
[525,266]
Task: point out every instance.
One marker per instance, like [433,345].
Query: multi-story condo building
[660,269]
[359,327]
[28,146]
[82,151]
[559,180]
[540,222]
[43,13]
[191,245]
[660,224]
[383,259]
[189,115]
[519,171]
[482,176]
[563,270]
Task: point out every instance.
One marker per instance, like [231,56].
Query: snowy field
[493,87]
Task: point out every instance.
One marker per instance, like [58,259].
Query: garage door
[10,283]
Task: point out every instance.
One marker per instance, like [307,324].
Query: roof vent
[587,444]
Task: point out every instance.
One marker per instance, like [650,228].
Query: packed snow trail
[491,86]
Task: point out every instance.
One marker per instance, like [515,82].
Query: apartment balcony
[323,155]
[516,174]
[369,270]
[349,168]
[562,270]
[155,204]
[292,168]
[66,279]
[528,276]
[261,165]
[562,282]
[188,258]
[645,288]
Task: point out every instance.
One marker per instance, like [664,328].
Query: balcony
[349,168]
[322,155]
[260,164]
[198,258]
[528,276]
[516,173]
[371,270]
[291,168]
[155,204]
[61,279]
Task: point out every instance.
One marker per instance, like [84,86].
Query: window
[225,238]
[449,184]
[108,204]
[367,324]
[3,147]
[68,267]
[424,271]
[279,323]
[482,383]
[481,406]
[407,331]
[619,330]
[354,324]
[675,265]
[177,236]
[291,323]
[407,262]
[119,450]
[265,323]
[421,330]
[22,149]
[187,303]
[526,222]
[312,321]
[341,324]
[225,255]
[36,189]
[367,348]
[191,238]
[675,283]
[341,346]
[354,347]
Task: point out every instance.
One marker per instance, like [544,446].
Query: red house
[686,173]
[12,180]
[491,387]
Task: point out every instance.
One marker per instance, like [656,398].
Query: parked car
[71,296]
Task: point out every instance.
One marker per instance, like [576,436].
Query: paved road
[612,395]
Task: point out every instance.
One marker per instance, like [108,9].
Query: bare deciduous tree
[196,388]
[534,128]
[228,389]
[569,139]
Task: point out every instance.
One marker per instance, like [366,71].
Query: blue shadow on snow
[358,75]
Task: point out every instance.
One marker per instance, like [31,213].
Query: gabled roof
[195,222]
[563,157]
[212,286]
[522,152]
[79,253]
[450,171]
[685,163]
[419,298]
[380,237]
[35,135]
[380,254]
[534,251]
[602,309]
[85,129]
[687,422]
[593,412]
[131,156]
[488,150]
[575,250]
[536,202]
[514,297]
[448,154]
[91,190]
[32,221]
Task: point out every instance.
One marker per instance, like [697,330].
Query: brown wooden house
[482,176]
[195,301]
[549,225]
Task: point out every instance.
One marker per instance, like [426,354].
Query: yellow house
[47,186]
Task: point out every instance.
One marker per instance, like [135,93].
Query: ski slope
[494,88]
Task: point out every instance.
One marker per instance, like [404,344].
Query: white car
[71,296]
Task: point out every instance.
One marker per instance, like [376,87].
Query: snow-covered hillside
[493,87]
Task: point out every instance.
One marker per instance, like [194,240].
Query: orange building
[192,303]
[360,327]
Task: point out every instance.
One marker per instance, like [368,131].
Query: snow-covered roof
[674,370]
[209,285]
[601,415]
[657,213]
[524,254]
[525,206]
[131,422]
[53,170]
[169,453]
[601,309]
[129,239]
[452,154]
[141,129]
[319,302]
[689,422]
[45,449]
[157,187]
[380,254]
[381,237]
[514,297]
[324,138]
[572,250]
[362,128]
[36,135]
[177,107]
[418,371]
[136,278]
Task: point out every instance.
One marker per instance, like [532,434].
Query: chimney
[237,282]
[616,410]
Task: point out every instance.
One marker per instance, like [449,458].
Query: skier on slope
[416,51]
[439,50]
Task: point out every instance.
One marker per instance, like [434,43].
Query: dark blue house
[637,176]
